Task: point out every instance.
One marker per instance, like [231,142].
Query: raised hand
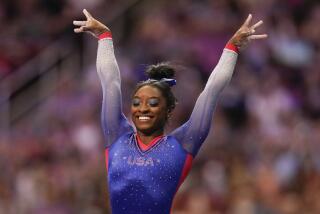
[91,25]
[246,33]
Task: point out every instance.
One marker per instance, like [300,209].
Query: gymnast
[146,166]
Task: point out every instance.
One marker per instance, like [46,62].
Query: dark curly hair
[157,73]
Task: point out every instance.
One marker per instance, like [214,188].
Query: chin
[145,130]
[148,128]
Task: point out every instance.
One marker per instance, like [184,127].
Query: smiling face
[149,110]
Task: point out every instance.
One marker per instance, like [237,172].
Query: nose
[144,108]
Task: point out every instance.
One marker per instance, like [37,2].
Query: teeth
[144,118]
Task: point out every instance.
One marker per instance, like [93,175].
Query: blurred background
[262,154]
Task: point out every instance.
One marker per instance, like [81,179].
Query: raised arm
[193,133]
[114,123]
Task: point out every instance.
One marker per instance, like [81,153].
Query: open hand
[91,25]
[246,33]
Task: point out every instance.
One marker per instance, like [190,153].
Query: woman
[145,166]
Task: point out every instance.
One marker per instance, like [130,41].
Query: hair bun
[160,71]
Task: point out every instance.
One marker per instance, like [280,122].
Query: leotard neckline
[143,147]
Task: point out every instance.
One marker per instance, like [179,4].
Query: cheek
[133,110]
[163,114]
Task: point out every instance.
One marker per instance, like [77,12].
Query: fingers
[249,32]
[81,29]
[246,33]
[82,24]
[79,23]
[78,30]
[248,20]
[261,36]
[256,25]
[87,14]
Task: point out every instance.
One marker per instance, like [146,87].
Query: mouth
[144,118]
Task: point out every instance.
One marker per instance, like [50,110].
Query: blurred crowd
[261,156]
[31,25]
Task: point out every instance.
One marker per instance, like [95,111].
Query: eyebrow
[148,98]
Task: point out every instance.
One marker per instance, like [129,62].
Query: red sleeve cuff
[232,47]
[105,35]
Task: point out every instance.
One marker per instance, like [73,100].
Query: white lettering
[130,160]
[149,161]
[140,161]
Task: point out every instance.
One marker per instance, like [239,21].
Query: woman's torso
[145,181]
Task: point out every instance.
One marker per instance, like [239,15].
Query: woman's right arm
[114,123]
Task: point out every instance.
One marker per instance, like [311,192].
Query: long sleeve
[114,123]
[193,133]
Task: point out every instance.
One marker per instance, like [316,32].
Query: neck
[147,138]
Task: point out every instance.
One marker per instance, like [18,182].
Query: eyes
[136,102]
[152,102]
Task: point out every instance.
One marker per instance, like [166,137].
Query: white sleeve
[114,123]
[193,133]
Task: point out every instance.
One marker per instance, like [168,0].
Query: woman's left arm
[193,133]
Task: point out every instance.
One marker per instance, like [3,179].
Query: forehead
[148,91]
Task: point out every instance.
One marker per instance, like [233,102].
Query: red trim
[185,171]
[107,158]
[186,168]
[145,147]
[232,47]
[105,35]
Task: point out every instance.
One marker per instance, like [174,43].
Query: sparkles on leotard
[144,179]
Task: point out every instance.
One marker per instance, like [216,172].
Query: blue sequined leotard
[144,179]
